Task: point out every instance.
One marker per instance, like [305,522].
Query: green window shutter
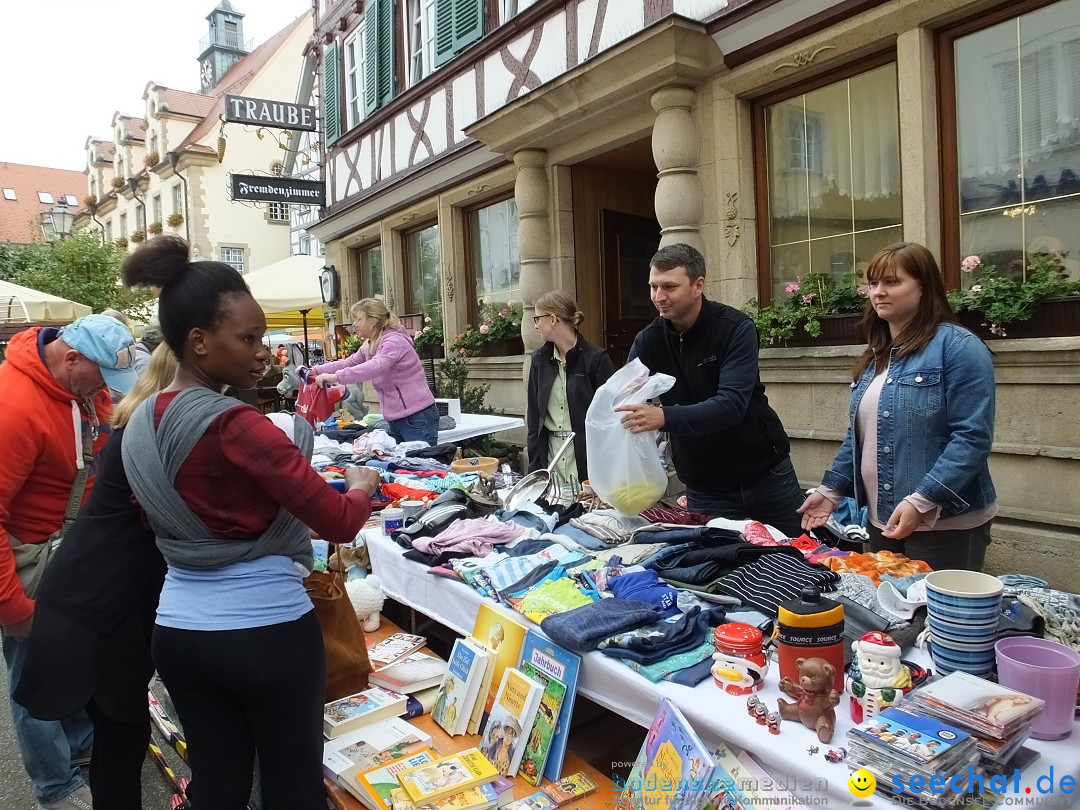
[384,51]
[444,31]
[371,68]
[331,95]
[458,24]
[468,23]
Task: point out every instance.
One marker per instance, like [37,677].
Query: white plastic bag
[625,468]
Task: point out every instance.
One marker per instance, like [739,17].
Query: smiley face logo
[861,783]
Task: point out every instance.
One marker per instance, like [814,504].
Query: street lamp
[56,224]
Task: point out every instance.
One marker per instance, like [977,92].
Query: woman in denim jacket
[921,422]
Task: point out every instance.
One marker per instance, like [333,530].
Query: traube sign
[262,112]
[259,188]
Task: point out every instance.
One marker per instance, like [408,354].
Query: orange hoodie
[39,457]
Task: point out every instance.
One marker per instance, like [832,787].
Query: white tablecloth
[713,714]
[472,425]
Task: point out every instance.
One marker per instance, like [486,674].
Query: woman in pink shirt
[388,360]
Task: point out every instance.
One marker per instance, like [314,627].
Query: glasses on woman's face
[538,318]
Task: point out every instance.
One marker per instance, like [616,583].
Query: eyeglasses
[538,318]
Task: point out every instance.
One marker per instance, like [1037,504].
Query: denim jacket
[935,426]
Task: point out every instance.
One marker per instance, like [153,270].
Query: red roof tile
[182,102]
[19,217]
[105,150]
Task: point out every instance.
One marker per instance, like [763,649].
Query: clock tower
[222,47]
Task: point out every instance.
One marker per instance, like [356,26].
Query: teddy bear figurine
[367,600]
[878,678]
[815,697]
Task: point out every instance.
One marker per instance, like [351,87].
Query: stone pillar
[678,201]
[919,166]
[534,236]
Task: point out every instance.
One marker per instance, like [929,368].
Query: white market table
[472,425]
[715,715]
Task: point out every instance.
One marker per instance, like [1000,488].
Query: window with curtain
[156,203]
[1017,86]
[177,200]
[493,253]
[371,273]
[832,177]
[423,278]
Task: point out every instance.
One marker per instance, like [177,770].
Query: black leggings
[242,692]
[117,760]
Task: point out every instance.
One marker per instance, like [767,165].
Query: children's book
[570,787]
[447,776]
[459,689]
[506,730]
[534,801]
[673,770]
[410,674]
[364,748]
[483,797]
[391,648]
[485,685]
[362,709]
[739,781]
[501,634]
[563,665]
[373,786]
[914,737]
[539,744]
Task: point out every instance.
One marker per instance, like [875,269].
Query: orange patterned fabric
[875,564]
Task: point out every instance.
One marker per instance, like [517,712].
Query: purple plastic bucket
[1047,670]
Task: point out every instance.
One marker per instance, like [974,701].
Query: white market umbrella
[290,285]
[20,304]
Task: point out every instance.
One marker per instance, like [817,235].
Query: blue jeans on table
[422,426]
[771,498]
[46,745]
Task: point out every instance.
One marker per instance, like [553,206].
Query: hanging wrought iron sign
[256,188]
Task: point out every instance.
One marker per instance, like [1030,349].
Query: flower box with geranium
[1016,300]
[430,335]
[175,220]
[817,311]
[498,334]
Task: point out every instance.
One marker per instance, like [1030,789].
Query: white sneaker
[81,799]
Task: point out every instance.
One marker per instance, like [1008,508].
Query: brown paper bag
[347,664]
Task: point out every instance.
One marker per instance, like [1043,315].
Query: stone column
[534,236]
[919,166]
[678,200]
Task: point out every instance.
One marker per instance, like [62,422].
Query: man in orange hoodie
[56,392]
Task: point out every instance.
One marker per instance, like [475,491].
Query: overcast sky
[68,65]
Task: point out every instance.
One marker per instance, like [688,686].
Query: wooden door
[627,243]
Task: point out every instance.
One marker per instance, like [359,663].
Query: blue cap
[108,343]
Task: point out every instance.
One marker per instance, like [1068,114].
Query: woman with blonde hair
[94,613]
[565,373]
[388,360]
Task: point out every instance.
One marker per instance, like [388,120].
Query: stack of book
[999,718]
[423,780]
[898,744]
[368,747]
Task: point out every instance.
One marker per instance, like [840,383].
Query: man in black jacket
[728,444]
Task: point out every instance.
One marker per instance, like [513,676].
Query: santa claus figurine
[878,678]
